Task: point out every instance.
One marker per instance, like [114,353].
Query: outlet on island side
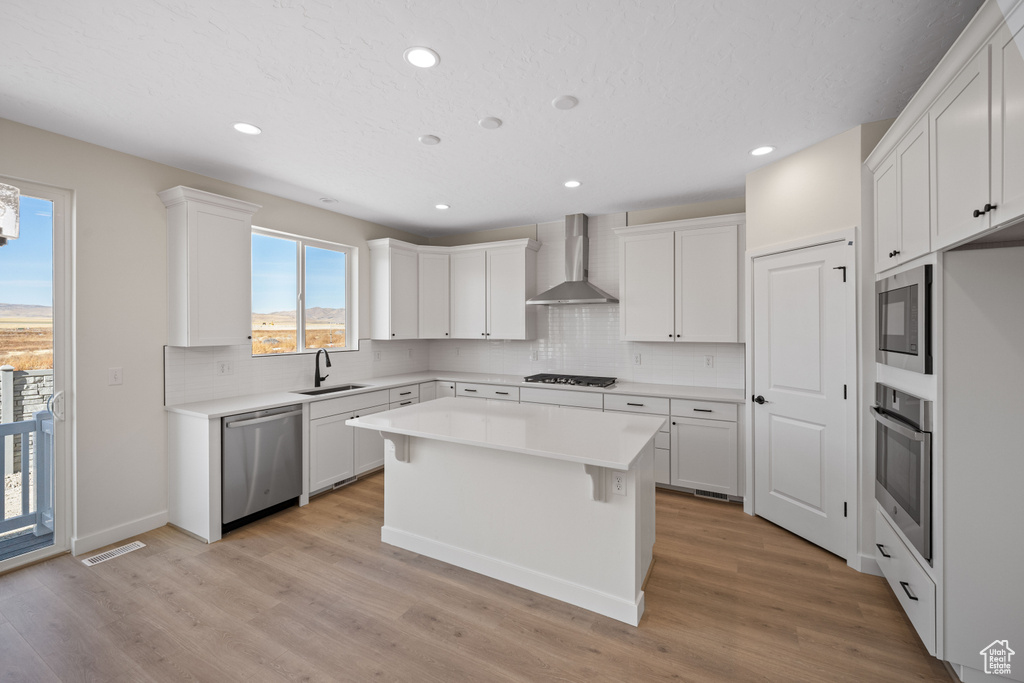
[709,361]
[619,483]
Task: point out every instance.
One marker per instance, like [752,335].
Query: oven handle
[900,429]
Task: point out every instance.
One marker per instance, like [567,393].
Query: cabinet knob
[446,334]
[989,207]
[392,334]
[894,254]
[977,213]
[670,336]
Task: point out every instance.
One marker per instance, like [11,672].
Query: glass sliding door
[34,360]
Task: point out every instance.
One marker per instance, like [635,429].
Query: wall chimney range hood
[575,289]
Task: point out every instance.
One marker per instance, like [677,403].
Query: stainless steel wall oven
[903,463]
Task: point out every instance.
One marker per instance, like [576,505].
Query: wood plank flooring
[311,594]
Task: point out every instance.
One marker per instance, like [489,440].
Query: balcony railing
[33,507]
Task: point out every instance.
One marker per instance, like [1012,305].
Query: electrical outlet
[224,367]
[376,355]
[533,355]
[114,377]
[619,483]
[410,353]
[709,361]
[458,351]
[636,359]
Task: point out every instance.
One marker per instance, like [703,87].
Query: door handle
[759,400]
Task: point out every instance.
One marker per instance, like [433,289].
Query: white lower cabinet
[648,405]
[369,445]
[705,449]
[331,451]
[428,391]
[336,451]
[497,392]
[907,579]
[444,389]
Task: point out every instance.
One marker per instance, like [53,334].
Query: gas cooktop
[575,380]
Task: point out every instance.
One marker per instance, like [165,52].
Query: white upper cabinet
[394,286]
[903,201]
[680,280]
[477,291]
[511,280]
[434,283]
[960,155]
[209,266]
[469,294]
[647,287]
[1008,119]
[971,108]
[489,288]
[707,270]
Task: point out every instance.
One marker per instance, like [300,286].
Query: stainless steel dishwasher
[261,464]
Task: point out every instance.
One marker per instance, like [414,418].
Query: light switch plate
[115,377]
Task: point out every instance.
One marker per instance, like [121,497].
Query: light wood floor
[311,594]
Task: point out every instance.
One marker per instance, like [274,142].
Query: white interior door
[799,355]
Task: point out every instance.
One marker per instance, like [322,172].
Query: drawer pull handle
[405,403]
[501,393]
[906,589]
[881,549]
[703,410]
[470,391]
[638,405]
[405,393]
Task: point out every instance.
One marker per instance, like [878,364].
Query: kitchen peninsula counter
[556,500]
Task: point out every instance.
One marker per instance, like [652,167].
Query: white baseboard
[866,564]
[85,544]
[573,593]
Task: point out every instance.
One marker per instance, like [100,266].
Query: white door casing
[800,449]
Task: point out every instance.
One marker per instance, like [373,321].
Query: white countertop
[588,437]
[233,405]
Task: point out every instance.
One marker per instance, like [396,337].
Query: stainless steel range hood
[575,289]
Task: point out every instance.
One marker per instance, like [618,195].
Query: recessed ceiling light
[429,139]
[490,122]
[564,102]
[572,183]
[247,128]
[328,200]
[423,57]
[442,207]
[761,151]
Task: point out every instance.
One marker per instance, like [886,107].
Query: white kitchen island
[556,500]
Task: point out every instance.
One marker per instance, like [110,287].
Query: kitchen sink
[331,390]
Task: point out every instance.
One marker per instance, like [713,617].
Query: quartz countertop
[588,437]
[217,408]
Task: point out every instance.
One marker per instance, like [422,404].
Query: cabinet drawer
[706,410]
[636,404]
[561,397]
[499,392]
[346,404]
[399,394]
[906,578]
[402,404]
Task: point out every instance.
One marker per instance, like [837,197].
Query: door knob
[759,400]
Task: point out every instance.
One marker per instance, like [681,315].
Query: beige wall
[813,191]
[121,294]
[498,234]
[718,207]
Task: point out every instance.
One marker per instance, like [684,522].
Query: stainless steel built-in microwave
[904,337]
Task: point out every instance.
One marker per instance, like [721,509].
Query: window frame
[351,315]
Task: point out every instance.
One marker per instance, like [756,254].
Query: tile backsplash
[190,374]
[581,339]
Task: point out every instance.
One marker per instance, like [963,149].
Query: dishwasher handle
[258,420]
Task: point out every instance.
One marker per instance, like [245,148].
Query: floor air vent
[713,495]
[111,554]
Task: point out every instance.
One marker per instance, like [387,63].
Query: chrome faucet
[327,357]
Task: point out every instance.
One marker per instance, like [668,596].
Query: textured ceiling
[673,94]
